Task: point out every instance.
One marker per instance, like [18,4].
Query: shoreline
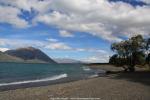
[40,84]
[120,86]
[105,88]
[44,83]
[47,81]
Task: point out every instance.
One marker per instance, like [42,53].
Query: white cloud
[11,9]
[57,46]
[10,15]
[97,58]
[65,33]
[17,3]
[3,49]
[52,40]
[146,1]
[101,18]
[38,5]
[98,17]
[80,49]
[16,43]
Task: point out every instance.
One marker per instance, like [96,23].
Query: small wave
[93,76]
[56,77]
[86,68]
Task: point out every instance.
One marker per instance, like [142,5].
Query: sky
[78,29]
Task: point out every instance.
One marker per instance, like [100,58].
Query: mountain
[66,60]
[30,54]
[7,58]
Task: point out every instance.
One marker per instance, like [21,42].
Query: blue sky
[77,29]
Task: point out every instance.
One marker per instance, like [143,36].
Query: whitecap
[93,76]
[86,68]
[56,77]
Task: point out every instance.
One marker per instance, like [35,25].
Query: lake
[25,73]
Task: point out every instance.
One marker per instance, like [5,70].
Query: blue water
[20,73]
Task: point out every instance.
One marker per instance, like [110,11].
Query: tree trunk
[131,69]
[132,63]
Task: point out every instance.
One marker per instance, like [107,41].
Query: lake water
[23,73]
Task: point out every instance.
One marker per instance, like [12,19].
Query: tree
[131,51]
[147,44]
[148,51]
[148,59]
[116,60]
[113,59]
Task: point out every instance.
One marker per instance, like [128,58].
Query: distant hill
[7,58]
[30,54]
[66,60]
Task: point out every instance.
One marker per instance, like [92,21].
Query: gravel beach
[123,86]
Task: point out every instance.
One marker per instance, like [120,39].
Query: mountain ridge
[26,54]
[7,58]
